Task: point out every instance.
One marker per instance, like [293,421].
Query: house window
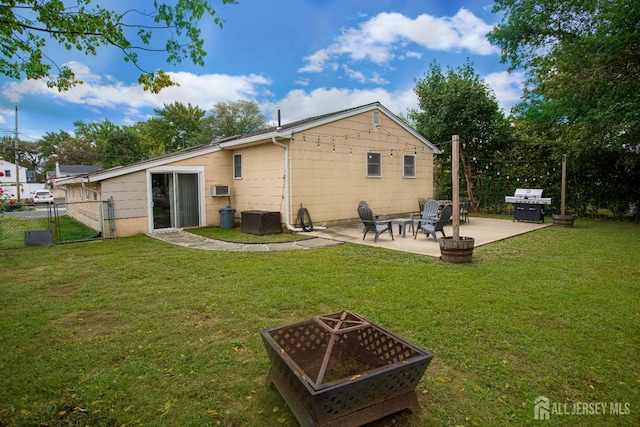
[374,164]
[409,166]
[376,118]
[7,173]
[237,166]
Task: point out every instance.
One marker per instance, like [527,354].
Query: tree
[459,103]
[583,69]
[177,126]
[235,118]
[29,153]
[122,148]
[27,27]
[115,145]
[64,148]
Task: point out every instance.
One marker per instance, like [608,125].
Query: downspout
[287,197]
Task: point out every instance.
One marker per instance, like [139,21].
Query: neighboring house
[65,171]
[326,164]
[8,189]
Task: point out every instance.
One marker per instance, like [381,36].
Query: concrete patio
[483,230]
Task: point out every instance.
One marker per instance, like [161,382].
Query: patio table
[403,224]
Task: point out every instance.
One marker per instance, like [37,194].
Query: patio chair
[370,224]
[377,216]
[429,212]
[430,228]
[464,209]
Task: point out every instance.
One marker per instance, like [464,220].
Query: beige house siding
[129,194]
[131,226]
[329,169]
[262,184]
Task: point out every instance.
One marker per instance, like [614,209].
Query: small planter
[563,220]
[456,251]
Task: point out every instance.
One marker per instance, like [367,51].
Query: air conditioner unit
[220,190]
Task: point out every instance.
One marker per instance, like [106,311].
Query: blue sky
[304,57]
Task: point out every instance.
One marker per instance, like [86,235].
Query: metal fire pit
[343,370]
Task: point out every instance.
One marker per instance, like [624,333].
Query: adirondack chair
[377,216]
[429,212]
[464,209]
[370,224]
[430,228]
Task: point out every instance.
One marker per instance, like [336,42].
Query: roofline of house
[283,132]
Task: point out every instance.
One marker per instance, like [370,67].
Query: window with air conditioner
[220,190]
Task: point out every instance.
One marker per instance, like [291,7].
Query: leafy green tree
[27,27]
[177,125]
[96,132]
[122,147]
[583,69]
[459,103]
[64,148]
[29,153]
[115,145]
[235,118]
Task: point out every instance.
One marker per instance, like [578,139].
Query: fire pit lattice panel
[342,369]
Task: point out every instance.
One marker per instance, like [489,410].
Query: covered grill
[528,204]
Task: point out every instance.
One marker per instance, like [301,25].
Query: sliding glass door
[175,200]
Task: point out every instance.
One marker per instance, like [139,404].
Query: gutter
[287,196]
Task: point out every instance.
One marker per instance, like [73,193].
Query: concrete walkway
[483,230]
[194,241]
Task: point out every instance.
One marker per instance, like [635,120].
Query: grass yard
[138,332]
[12,230]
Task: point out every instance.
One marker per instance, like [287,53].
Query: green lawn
[12,230]
[135,331]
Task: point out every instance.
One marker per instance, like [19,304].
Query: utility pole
[17,157]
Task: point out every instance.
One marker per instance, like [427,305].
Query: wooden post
[455,166]
[564,184]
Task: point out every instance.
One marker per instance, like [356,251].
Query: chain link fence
[58,222]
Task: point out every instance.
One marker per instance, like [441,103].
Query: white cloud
[507,88]
[298,104]
[202,90]
[361,78]
[378,39]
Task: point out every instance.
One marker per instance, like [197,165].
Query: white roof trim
[148,164]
